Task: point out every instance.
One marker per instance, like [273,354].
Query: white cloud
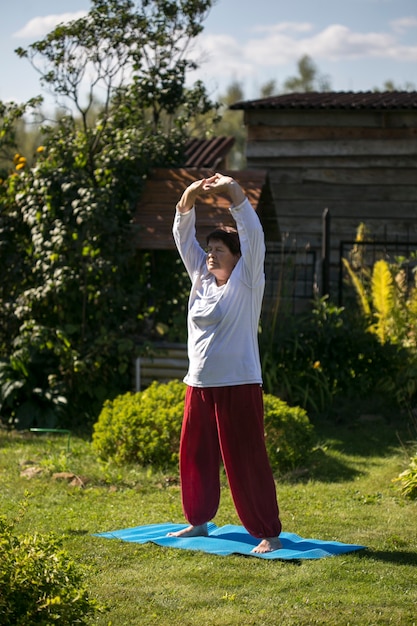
[41,26]
[402,24]
[283,43]
[222,55]
[337,42]
[294,27]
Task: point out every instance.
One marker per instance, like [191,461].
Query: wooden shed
[354,154]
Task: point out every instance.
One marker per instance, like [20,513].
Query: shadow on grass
[322,467]
[398,557]
[327,468]
[337,457]
[363,438]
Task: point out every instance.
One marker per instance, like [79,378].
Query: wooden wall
[359,164]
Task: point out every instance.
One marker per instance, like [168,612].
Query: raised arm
[221,184]
[216,184]
[190,195]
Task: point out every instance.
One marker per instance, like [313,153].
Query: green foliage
[31,394]
[388,300]
[72,273]
[308,78]
[390,315]
[166,287]
[142,428]
[289,435]
[325,358]
[383,298]
[39,582]
[145,428]
[408,479]
[360,289]
[11,119]
[338,362]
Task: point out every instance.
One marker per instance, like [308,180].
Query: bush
[145,428]
[289,434]
[39,582]
[328,363]
[142,427]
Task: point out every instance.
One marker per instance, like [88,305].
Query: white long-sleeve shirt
[223,321]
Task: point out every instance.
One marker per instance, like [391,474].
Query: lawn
[346,494]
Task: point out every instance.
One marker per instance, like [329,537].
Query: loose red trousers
[227,423]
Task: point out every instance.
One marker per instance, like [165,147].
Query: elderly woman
[223,412]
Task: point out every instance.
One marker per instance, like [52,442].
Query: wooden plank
[394,162]
[319,133]
[329,192]
[326,118]
[308,230]
[343,147]
[168,362]
[344,175]
[345,207]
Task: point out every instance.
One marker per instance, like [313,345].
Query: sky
[356,44]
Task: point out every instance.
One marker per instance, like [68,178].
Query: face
[220,260]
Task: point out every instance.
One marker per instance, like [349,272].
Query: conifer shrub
[39,582]
[145,428]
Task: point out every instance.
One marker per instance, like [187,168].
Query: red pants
[227,423]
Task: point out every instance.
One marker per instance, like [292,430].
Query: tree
[84,292]
[130,59]
[12,128]
[389,85]
[268,89]
[308,78]
[232,124]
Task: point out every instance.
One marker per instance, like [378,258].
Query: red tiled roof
[207,153]
[334,100]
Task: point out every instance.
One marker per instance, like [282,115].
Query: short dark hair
[229,236]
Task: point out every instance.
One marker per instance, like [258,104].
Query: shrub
[145,428]
[39,582]
[289,434]
[142,427]
[328,363]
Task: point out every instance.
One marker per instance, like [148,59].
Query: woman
[223,412]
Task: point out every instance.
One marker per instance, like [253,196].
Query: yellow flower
[16,158]
[20,165]
[40,148]
[316,365]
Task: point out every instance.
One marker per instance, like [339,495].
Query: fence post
[325,253]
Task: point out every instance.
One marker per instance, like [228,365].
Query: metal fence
[363,255]
[290,276]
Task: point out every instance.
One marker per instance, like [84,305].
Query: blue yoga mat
[231,539]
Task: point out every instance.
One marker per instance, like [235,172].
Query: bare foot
[191,531]
[269,544]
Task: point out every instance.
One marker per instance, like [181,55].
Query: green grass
[347,495]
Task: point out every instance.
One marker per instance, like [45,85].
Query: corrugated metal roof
[334,100]
[207,153]
[155,210]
